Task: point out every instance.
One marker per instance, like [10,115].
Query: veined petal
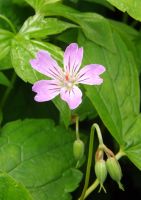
[90,74]
[46,65]
[72,58]
[73,97]
[46,90]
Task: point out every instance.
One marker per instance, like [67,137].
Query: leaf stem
[8,90]
[120,154]
[8,22]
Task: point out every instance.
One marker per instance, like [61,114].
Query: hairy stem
[90,154]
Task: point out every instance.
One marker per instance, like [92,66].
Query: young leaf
[39,155]
[130,6]
[40,27]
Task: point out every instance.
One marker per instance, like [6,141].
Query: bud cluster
[100,168]
[110,165]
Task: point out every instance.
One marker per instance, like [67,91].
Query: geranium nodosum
[64,82]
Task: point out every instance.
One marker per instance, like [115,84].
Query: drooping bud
[101,172]
[78,149]
[114,169]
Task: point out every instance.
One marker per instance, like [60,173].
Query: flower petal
[90,74]
[73,58]
[46,90]
[46,65]
[72,97]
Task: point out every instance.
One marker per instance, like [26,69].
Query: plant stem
[90,153]
[91,188]
[77,127]
[8,90]
[99,135]
[8,22]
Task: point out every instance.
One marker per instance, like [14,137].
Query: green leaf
[133,142]
[65,112]
[117,99]
[5,42]
[86,110]
[137,46]
[23,50]
[20,3]
[4,80]
[129,36]
[39,27]
[38,5]
[5,63]
[39,155]
[94,26]
[130,6]
[102,2]
[1,116]
[12,190]
[123,29]
[14,12]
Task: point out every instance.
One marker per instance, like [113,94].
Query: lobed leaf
[39,155]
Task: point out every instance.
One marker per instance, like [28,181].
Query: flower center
[69,81]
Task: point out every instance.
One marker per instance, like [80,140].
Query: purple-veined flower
[64,82]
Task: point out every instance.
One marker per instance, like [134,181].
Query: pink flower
[64,82]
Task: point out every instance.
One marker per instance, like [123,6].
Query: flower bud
[101,172]
[114,169]
[78,149]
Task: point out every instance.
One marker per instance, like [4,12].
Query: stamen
[67,77]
